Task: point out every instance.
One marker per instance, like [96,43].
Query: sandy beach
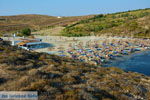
[91,49]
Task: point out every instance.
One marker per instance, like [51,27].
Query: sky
[69,7]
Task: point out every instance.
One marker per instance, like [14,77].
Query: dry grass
[55,31]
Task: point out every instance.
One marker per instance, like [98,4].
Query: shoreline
[125,57]
[131,63]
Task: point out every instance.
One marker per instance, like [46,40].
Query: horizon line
[73,15]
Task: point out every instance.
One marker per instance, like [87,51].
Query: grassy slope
[54,31]
[66,79]
[36,22]
[132,23]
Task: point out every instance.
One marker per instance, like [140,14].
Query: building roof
[21,43]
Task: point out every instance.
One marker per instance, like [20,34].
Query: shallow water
[139,62]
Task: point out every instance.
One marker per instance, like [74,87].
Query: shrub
[26,32]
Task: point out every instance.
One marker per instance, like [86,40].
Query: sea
[137,62]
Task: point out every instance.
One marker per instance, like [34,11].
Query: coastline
[124,57]
[131,63]
[98,51]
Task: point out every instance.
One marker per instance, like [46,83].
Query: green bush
[26,32]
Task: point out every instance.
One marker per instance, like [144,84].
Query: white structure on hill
[59,17]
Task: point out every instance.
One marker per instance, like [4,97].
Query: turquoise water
[139,62]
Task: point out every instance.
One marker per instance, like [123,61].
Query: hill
[57,78]
[10,24]
[131,23]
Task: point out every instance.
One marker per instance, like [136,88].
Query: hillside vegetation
[53,31]
[131,23]
[57,78]
[9,24]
